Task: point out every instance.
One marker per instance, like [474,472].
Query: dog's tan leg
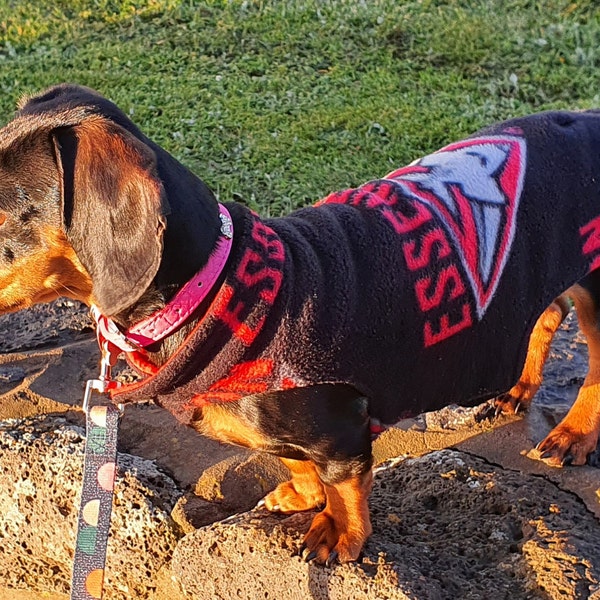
[303,492]
[577,434]
[525,389]
[342,528]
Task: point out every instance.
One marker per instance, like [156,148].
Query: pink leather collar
[165,321]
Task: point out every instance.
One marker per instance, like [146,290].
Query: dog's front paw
[287,498]
[565,445]
[325,543]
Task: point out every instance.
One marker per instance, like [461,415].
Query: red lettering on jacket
[252,271]
[257,280]
[417,259]
[592,243]
[448,280]
[445,329]
[253,268]
[405,224]
[244,379]
[228,309]
[440,286]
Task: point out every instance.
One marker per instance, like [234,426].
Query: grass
[276,103]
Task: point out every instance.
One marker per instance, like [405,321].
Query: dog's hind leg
[543,332]
[576,435]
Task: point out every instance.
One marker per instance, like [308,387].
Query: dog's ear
[112,208]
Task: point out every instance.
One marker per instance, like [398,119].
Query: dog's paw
[517,398]
[506,404]
[287,498]
[325,544]
[566,446]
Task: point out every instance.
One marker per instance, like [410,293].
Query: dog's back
[421,288]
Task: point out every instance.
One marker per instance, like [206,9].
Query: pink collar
[165,321]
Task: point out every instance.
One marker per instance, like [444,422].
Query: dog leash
[99,472]
[102,421]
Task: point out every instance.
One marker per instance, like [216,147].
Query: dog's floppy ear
[112,207]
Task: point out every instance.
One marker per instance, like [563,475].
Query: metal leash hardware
[99,472]
[105,382]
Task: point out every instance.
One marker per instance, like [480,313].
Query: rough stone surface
[41,464]
[441,530]
[44,324]
[233,485]
[241,481]
[446,526]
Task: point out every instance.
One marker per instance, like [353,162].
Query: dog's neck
[190,296]
[192,233]
[180,311]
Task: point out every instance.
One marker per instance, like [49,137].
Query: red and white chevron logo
[474,187]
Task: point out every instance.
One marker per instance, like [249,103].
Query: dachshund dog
[300,336]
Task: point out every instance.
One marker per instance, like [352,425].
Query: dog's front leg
[340,530]
[576,435]
[322,434]
[303,491]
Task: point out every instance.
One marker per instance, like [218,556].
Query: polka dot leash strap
[96,502]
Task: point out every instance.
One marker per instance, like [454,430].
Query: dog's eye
[2,218]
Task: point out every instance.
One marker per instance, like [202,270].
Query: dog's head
[81,204]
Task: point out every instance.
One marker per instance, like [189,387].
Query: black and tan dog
[411,292]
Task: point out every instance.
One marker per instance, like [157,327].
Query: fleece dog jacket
[419,289]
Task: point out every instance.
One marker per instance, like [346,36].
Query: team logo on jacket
[474,187]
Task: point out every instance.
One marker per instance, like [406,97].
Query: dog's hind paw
[518,397]
[506,404]
[566,446]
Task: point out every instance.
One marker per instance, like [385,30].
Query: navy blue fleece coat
[420,289]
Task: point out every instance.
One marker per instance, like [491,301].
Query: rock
[152,432]
[56,322]
[41,464]
[454,417]
[446,526]
[192,512]
[233,485]
[239,482]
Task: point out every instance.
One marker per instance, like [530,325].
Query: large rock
[446,526]
[41,464]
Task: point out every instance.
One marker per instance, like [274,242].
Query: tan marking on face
[44,275]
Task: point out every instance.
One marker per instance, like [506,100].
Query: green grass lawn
[277,103]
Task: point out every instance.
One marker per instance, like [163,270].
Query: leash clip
[105,382]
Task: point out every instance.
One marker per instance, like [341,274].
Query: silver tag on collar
[226,226]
